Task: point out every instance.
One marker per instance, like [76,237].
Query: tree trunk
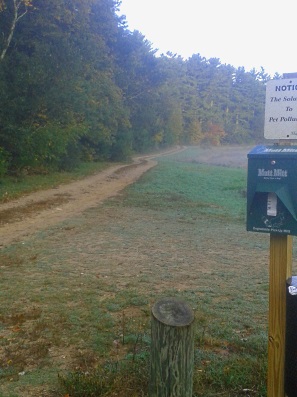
[172,349]
[16,18]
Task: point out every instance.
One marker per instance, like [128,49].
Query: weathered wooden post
[279,270]
[172,349]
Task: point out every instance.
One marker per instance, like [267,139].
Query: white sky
[251,33]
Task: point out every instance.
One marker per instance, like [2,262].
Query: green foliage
[3,162]
[76,85]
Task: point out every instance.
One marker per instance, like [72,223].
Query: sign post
[271,209]
[280,123]
[279,270]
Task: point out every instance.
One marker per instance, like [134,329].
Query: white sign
[281,109]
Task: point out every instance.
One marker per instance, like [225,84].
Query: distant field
[76,298]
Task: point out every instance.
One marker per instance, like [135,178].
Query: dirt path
[37,211]
[21,218]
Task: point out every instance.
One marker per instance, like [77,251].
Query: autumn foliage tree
[214,134]
[77,85]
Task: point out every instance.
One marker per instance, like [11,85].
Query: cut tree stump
[172,349]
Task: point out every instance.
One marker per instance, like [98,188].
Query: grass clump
[125,378]
[230,376]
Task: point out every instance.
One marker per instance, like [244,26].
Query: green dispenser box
[272,190]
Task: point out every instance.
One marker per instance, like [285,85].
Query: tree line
[77,85]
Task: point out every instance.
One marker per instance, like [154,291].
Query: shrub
[4,162]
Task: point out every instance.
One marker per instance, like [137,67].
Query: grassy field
[76,299]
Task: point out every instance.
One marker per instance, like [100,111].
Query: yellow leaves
[17,4]
[25,3]
[28,3]
[42,116]
[158,138]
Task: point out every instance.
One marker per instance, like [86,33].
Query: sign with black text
[281,109]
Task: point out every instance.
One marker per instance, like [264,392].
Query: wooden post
[280,270]
[289,256]
[172,349]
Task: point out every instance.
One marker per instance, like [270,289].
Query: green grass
[76,299]
[192,190]
[13,187]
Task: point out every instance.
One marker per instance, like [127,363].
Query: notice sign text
[281,109]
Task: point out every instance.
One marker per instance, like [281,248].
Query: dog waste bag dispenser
[272,190]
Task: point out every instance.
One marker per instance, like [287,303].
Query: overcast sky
[251,33]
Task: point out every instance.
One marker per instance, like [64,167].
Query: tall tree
[14,10]
[76,84]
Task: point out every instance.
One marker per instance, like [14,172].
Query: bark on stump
[172,349]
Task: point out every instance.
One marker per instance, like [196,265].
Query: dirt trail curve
[25,216]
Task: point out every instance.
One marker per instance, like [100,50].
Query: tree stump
[172,349]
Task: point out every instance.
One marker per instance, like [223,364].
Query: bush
[41,148]
[4,162]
